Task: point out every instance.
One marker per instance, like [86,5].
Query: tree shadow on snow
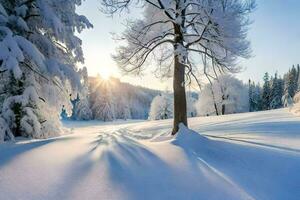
[143,175]
[137,171]
[9,151]
[263,145]
[262,172]
[288,128]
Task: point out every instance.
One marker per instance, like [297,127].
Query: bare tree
[176,34]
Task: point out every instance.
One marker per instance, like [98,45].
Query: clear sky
[274,35]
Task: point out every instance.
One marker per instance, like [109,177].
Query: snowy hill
[120,95]
[122,100]
[242,156]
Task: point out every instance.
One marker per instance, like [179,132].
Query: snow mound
[188,138]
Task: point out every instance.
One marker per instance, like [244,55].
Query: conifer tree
[276,92]
[266,92]
[38,49]
[257,98]
[251,96]
[291,82]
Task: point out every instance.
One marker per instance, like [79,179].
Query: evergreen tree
[63,114]
[287,99]
[81,107]
[74,103]
[103,106]
[251,91]
[298,78]
[292,82]
[276,92]
[257,98]
[126,112]
[38,48]
[266,93]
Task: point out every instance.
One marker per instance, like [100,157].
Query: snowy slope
[242,156]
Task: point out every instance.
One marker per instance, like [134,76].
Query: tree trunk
[180,115]
[213,95]
[180,111]
[216,108]
[223,109]
[223,105]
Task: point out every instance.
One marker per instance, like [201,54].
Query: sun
[105,74]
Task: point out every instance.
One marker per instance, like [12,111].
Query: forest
[109,100]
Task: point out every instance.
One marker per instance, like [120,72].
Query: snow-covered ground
[242,156]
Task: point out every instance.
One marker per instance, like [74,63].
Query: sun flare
[105,74]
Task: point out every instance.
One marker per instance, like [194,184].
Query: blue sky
[274,36]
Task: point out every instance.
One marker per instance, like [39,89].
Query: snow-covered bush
[161,107]
[288,100]
[296,107]
[226,95]
[5,132]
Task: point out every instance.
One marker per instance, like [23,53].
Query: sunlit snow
[242,156]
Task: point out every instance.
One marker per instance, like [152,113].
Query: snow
[241,156]
[31,51]
[161,107]
[226,92]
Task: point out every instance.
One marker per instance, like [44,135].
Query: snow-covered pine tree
[74,102]
[298,77]
[277,89]
[287,100]
[81,109]
[64,114]
[291,81]
[39,50]
[266,93]
[124,110]
[257,96]
[250,92]
[254,97]
[103,106]
[21,101]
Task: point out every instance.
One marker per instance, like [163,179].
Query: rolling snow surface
[242,156]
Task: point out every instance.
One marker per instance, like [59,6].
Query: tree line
[109,100]
[275,92]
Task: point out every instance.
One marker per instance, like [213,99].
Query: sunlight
[105,74]
[104,80]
